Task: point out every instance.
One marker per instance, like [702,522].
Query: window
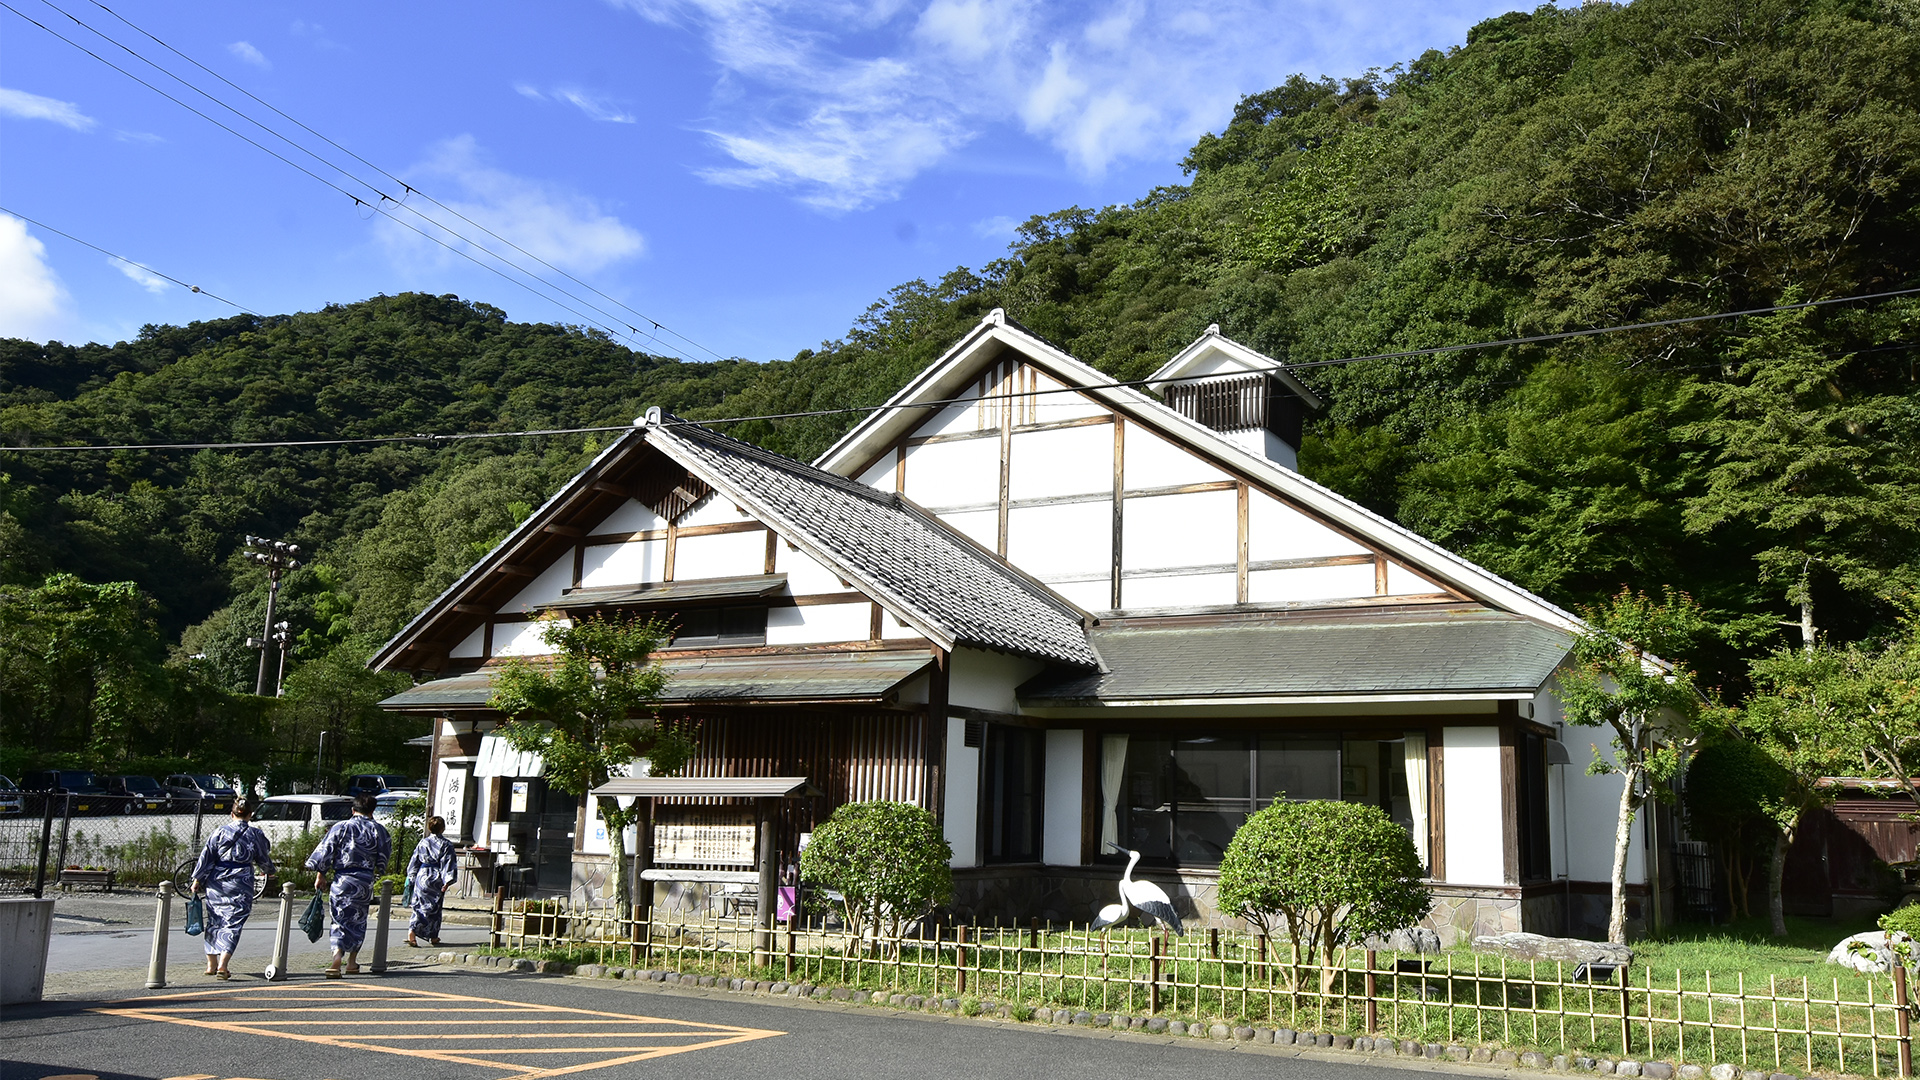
[280,811]
[721,626]
[1530,784]
[1012,765]
[336,811]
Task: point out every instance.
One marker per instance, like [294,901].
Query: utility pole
[278,557]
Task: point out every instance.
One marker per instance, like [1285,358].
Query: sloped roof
[896,552]
[1450,652]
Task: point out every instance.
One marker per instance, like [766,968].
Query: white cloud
[140,275]
[566,229]
[19,103]
[33,303]
[1000,227]
[843,102]
[245,51]
[595,106]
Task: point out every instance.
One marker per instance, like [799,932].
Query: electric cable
[130,262]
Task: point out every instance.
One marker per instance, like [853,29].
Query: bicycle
[183,880]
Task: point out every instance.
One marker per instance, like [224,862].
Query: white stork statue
[1150,900]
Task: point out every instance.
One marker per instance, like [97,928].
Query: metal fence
[38,850]
[1859,1025]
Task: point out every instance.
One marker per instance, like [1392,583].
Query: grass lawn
[1746,948]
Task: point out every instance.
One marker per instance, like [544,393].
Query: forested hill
[1563,169]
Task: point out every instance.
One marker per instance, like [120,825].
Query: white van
[281,816]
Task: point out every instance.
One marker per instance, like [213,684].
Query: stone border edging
[1409,1049]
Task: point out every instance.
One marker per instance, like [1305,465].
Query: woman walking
[356,851]
[224,873]
[430,870]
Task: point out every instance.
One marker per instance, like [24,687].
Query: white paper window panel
[1090,595]
[1476,853]
[963,415]
[720,555]
[1404,582]
[1199,528]
[879,475]
[1066,461]
[474,644]
[1278,531]
[520,639]
[805,576]
[630,517]
[1310,583]
[1073,538]
[819,623]
[1184,591]
[1150,461]
[544,589]
[982,526]
[631,563]
[963,473]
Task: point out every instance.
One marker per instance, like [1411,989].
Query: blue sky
[750,173]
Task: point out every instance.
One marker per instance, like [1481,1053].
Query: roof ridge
[770,457]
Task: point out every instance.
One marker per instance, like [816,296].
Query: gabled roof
[1214,353]
[955,371]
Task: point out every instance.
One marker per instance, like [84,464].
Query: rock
[1723,1072]
[1283,1037]
[1158,1024]
[1263,1036]
[1782,1076]
[1082,1019]
[1523,946]
[1218,1031]
[1364,1044]
[1176,1027]
[1412,1048]
[1458,1053]
[1657,1070]
[1626,1068]
[778,988]
[1480,1054]
[1343,1042]
[1104,1020]
[1753,1074]
[1603,1067]
[1533,1060]
[1323,1040]
[1386,1046]
[1431,1051]
[1876,956]
[1505,1057]
[1243,1034]
[1691,1072]
[1584,1064]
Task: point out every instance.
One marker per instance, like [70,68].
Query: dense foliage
[888,860]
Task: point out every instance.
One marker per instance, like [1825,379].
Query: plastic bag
[314,922]
[406,895]
[196,916]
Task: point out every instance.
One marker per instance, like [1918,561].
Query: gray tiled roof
[906,554]
[1443,652]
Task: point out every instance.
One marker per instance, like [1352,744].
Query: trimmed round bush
[887,859]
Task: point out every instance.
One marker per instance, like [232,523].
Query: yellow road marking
[204,1009]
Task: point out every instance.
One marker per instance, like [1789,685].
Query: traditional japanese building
[1064,615]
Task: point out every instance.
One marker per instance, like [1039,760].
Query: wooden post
[493,920]
[960,958]
[1153,974]
[1213,941]
[1260,950]
[1373,1007]
[1033,933]
[768,902]
[1626,1015]
[789,969]
[1900,1020]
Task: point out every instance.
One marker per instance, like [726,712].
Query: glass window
[1211,781]
[721,626]
[1012,761]
[336,811]
[1302,767]
[1146,804]
[279,811]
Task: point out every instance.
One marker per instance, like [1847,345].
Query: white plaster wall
[1048,408]
[962,811]
[713,510]
[892,629]
[962,416]
[805,576]
[472,645]
[630,517]
[544,589]
[1060,815]
[1278,531]
[986,680]
[1089,595]
[1062,539]
[980,526]
[1195,529]
[1066,461]
[630,563]
[1186,590]
[1151,461]
[1310,583]
[819,623]
[964,473]
[1404,582]
[880,473]
[720,555]
[1263,443]
[1476,852]
[520,639]
[1593,809]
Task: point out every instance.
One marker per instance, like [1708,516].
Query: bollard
[379,965]
[277,971]
[162,917]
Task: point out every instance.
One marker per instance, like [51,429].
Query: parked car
[374,783]
[281,816]
[139,795]
[11,801]
[189,789]
[386,808]
[89,797]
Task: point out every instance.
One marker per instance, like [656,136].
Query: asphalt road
[435,1023]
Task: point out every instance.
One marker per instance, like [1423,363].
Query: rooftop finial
[1214,329]
[650,419]
[998,317]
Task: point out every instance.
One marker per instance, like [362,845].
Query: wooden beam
[472,609]
[1242,544]
[564,530]
[517,570]
[612,488]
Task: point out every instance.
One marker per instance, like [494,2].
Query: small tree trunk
[1622,842]
[1805,599]
[1776,873]
[616,821]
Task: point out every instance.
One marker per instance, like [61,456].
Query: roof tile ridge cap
[684,428]
[1030,584]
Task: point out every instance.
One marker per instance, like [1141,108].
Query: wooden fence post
[1213,941]
[960,958]
[493,920]
[1900,1022]
[1373,1007]
[1153,972]
[1626,1014]
[1033,933]
[789,967]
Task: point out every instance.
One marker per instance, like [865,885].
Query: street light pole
[278,557]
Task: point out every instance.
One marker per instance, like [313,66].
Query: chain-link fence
[109,844]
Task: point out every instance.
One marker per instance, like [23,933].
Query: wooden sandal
[332,973]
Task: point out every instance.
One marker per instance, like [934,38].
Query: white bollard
[277,971]
[379,965]
[162,918]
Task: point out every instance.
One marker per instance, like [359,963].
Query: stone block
[1480,1054]
[1657,1070]
[1723,1072]
[1505,1057]
[706,980]
[1604,1067]
[1082,1018]
[1243,1034]
[1137,1023]
[1263,1036]
[1176,1027]
[1412,1048]
[1533,1060]
[1386,1046]
[1626,1068]
[1432,1051]
[1102,1019]
[950,1004]
[1283,1037]
[1559,1063]
[1158,1024]
[1043,1014]
[1219,1031]
[777,988]
[1364,1044]
[1458,1053]
[1323,1040]
[1691,1072]
[1754,1074]
[1343,1042]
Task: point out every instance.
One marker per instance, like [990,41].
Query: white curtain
[1417,792]
[1113,773]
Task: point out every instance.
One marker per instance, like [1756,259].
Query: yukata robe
[355,852]
[225,872]
[431,870]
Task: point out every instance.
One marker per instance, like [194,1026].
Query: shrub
[1329,873]
[887,860]
[1906,920]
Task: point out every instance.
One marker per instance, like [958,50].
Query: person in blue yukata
[224,874]
[430,870]
[356,851]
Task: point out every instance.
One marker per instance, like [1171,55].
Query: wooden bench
[99,879]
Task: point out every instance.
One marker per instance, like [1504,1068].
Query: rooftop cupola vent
[1240,393]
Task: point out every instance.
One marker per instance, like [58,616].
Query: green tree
[888,860]
[1328,873]
[1618,680]
[1739,799]
[590,716]
[81,673]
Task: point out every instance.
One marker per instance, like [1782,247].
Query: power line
[129,262]
[945,402]
[633,333]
